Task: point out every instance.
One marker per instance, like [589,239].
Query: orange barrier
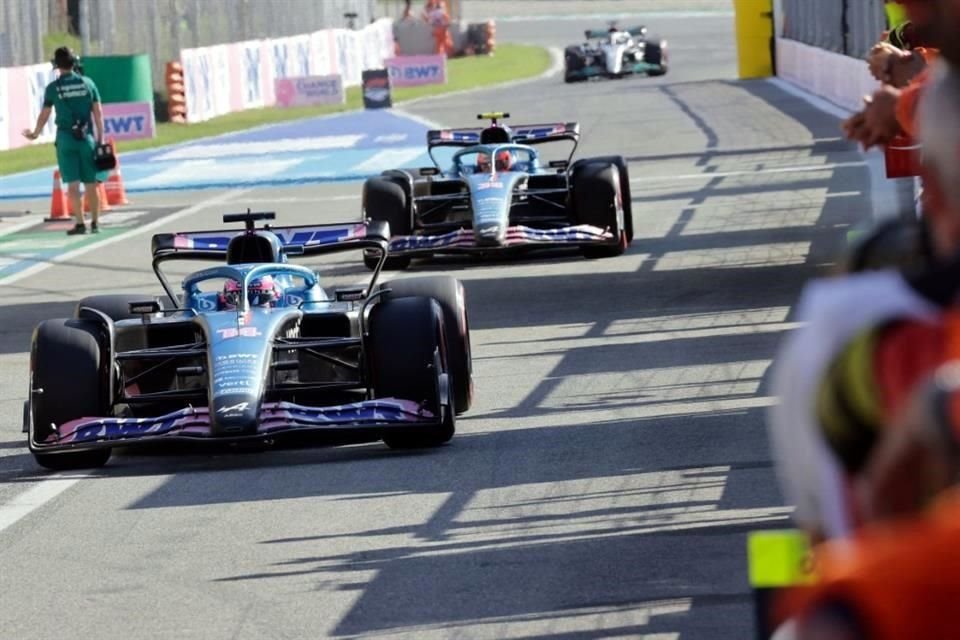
[491,36]
[176,93]
[116,193]
[59,203]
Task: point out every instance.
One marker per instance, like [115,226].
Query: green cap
[779,558]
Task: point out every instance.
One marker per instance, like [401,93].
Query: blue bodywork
[240,377]
[479,207]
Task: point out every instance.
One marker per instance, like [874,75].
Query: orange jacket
[907,105]
[903,580]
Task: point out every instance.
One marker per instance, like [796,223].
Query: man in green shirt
[77,103]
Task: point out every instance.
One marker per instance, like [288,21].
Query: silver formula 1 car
[255,350]
[614,53]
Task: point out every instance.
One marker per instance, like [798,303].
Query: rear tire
[596,193]
[404,352]
[386,200]
[65,363]
[449,294]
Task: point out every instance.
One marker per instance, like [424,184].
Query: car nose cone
[490,235]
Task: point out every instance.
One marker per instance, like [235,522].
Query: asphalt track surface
[614,461]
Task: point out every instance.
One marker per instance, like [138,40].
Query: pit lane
[616,455]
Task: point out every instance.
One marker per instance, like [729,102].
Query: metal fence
[161,28]
[844,26]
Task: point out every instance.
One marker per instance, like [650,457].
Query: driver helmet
[504,160]
[263,292]
[229,298]
[483,162]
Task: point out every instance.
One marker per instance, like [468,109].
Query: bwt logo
[417,72]
[124,124]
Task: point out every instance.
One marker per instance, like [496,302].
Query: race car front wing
[516,236]
[193,423]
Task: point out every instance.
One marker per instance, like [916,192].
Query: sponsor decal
[492,184]
[234,332]
[376,89]
[310,90]
[128,120]
[412,71]
[235,409]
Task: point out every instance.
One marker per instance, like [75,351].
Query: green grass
[511,62]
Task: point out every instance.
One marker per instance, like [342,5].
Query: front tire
[405,360]
[65,364]
[655,52]
[450,295]
[385,200]
[597,202]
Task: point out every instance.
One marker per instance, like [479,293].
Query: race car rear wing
[525,134]
[295,240]
[593,34]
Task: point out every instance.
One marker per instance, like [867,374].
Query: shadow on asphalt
[474,562]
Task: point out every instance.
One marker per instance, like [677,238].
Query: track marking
[727,174]
[286,199]
[33,498]
[203,204]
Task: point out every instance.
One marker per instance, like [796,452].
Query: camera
[79,130]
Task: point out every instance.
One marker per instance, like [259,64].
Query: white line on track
[727,174]
[283,199]
[94,246]
[34,497]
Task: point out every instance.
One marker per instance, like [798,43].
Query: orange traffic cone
[104,203]
[116,193]
[59,203]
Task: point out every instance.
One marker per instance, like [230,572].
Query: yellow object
[754,23]
[896,14]
[779,558]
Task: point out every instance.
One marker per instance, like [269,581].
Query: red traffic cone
[116,193]
[59,204]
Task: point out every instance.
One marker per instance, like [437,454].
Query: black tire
[114,306]
[403,353]
[655,52]
[450,295]
[596,191]
[573,61]
[65,362]
[384,199]
[626,195]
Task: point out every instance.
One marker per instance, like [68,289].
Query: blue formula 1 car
[253,350]
[496,195]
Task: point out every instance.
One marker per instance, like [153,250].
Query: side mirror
[351,294]
[429,171]
[147,307]
[294,250]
